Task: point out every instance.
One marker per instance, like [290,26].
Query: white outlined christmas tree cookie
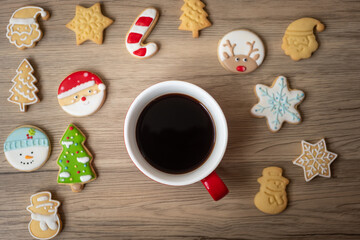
[315,160]
[23,30]
[23,92]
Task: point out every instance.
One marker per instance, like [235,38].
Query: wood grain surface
[123,203]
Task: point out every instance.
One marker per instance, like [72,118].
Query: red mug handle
[215,186]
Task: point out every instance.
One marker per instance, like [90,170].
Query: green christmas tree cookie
[75,160]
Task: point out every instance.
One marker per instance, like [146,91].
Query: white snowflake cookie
[278,103]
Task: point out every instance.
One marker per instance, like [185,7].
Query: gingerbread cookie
[75,160]
[277,103]
[139,31]
[299,41]
[81,93]
[272,197]
[89,24]
[23,92]
[315,160]
[23,30]
[45,220]
[194,17]
[27,148]
[241,51]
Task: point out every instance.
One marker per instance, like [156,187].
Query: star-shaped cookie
[89,24]
[315,159]
[277,103]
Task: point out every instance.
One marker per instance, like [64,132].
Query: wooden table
[123,203]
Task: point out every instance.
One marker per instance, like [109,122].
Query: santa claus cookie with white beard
[81,93]
[23,29]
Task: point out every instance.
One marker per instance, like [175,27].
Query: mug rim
[220,128]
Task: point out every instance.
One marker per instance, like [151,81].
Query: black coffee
[175,133]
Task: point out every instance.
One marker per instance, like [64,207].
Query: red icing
[134,37]
[241,68]
[68,137]
[67,161]
[78,172]
[83,99]
[76,79]
[77,151]
[140,52]
[71,128]
[144,21]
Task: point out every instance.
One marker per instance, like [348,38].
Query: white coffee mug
[205,173]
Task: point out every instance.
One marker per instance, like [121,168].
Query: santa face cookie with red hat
[23,30]
[81,93]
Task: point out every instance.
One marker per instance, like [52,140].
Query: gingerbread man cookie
[241,51]
[23,30]
[272,197]
[45,220]
[299,41]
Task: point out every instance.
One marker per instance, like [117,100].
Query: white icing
[84,108]
[240,37]
[45,204]
[43,198]
[151,48]
[40,155]
[83,159]
[64,175]
[85,178]
[277,103]
[76,89]
[24,21]
[67,143]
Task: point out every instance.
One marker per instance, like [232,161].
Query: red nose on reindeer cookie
[81,93]
[241,51]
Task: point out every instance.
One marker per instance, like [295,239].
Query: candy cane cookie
[139,31]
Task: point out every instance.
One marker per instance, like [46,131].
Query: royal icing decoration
[299,41]
[272,197]
[138,33]
[194,17]
[89,24]
[23,92]
[27,148]
[45,221]
[315,160]
[241,51]
[277,103]
[23,31]
[75,161]
[80,94]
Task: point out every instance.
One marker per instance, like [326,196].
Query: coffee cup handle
[215,186]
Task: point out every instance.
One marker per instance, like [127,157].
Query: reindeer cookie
[241,51]
[45,221]
[272,197]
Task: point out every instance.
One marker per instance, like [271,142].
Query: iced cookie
[138,33]
[27,148]
[315,160]
[75,160]
[45,220]
[23,30]
[81,93]
[299,41]
[23,92]
[277,103]
[89,24]
[194,17]
[272,197]
[241,51]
